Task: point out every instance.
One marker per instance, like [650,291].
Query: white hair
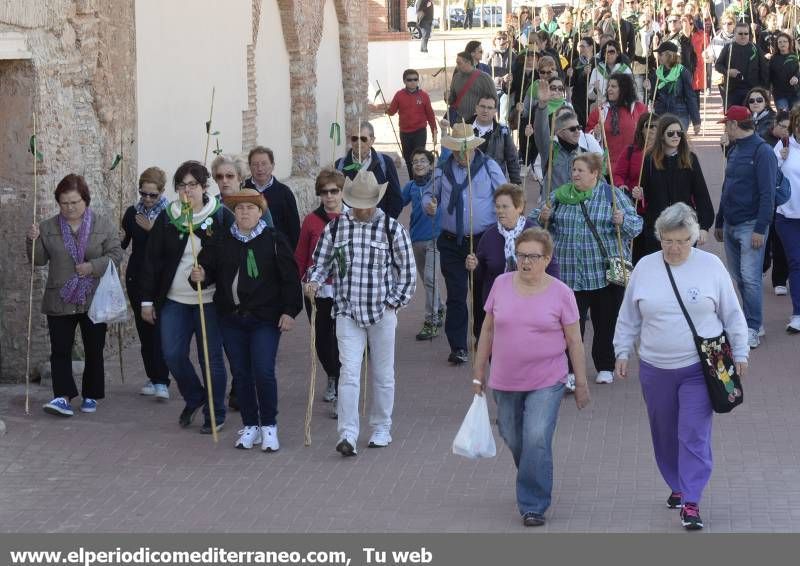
[679,216]
[238,162]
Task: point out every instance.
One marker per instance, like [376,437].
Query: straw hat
[363,191]
[246,195]
[462,138]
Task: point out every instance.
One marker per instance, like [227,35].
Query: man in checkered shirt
[370,258]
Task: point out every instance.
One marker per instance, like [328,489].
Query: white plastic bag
[109,304]
[474,438]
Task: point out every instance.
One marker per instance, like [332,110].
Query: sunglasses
[611,52]
[572,129]
[755,101]
[221,176]
[742,33]
[329,191]
[143,194]
[674,133]
[410,80]
[354,139]
[673,21]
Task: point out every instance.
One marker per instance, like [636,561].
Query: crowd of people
[596,104]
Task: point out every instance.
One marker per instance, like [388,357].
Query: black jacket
[283,207]
[749,60]
[275,291]
[781,69]
[138,236]
[500,147]
[165,247]
[392,201]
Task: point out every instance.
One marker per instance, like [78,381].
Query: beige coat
[103,246]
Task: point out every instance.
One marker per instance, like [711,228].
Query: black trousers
[603,306]
[776,257]
[325,335]
[62,338]
[409,141]
[456,279]
[150,341]
[524,142]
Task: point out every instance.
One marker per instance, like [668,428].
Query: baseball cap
[737,113]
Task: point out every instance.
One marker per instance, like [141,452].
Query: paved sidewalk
[130,468]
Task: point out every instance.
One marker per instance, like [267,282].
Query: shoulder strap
[593,228]
[334,227]
[340,164]
[470,81]
[383,159]
[389,236]
[680,301]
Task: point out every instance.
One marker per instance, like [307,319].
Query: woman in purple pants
[673,385]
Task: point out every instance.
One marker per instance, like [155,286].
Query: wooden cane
[364,386]
[549,186]
[620,248]
[522,95]
[471,286]
[203,333]
[312,377]
[34,150]
[727,78]
[208,126]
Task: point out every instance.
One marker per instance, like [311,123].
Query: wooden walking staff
[208,132]
[34,150]
[471,286]
[727,78]
[549,186]
[530,116]
[189,214]
[313,376]
[117,162]
[646,138]
[620,247]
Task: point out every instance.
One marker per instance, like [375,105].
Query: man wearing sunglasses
[413,105]
[748,67]
[499,142]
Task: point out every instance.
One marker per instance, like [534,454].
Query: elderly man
[280,199]
[363,156]
[499,143]
[370,259]
[467,87]
[745,212]
[745,67]
[468,211]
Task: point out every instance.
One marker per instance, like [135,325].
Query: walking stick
[189,214]
[391,123]
[208,129]
[549,187]
[119,219]
[33,148]
[727,78]
[620,248]
[313,377]
[527,138]
[364,388]
[471,286]
[646,138]
[522,95]
[436,301]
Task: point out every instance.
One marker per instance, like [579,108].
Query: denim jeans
[744,265]
[178,323]
[785,103]
[789,232]
[526,421]
[252,346]
[427,259]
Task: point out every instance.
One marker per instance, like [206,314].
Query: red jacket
[310,233]
[627,128]
[699,42]
[626,171]
[415,110]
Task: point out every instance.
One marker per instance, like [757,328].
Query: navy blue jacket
[749,189]
[682,103]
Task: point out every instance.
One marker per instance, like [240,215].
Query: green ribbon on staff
[32,149]
[117,161]
[335,133]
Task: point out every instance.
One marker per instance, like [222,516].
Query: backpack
[387,229]
[783,188]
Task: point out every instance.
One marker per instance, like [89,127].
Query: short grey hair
[679,216]
[239,163]
[563,118]
[369,127]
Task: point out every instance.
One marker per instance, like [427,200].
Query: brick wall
[377,12]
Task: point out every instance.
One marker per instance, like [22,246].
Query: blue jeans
[178,323]
[526,421]
[784,102]
[744,264]
[252,346]
[789,232]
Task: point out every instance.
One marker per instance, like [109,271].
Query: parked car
[456,17]
[492,16]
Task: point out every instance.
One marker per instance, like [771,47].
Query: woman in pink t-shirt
[535,319]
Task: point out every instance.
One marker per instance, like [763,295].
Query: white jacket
[791,170]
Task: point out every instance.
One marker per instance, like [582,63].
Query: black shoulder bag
[716,357]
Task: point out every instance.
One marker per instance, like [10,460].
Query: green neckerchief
[669,82]
[554,104]
[181,222]
[568,193]
[252,266]
[791,58]
[533,90]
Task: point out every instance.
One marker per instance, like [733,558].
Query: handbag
[716,358]
[619,268]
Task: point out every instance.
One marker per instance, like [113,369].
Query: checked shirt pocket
[378,255]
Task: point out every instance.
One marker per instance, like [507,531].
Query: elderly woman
[328,187]
[136,225]
[496,253]
[524,307]
[169,297]
[672,379]
[674,91]
[78,246]
[671,174]
[257,297]
[584,223]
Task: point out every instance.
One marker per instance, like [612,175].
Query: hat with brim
[363,191]
[245,195]
[462,138]
[667,46]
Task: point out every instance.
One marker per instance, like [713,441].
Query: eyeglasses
[485,107]
[557,88]
[522,258]
[412,80]
[572,129]
[329,191]
[742,33]
[189,185]
[354,139]
[547,72]
[670,243]
[144,194]
[673,21]
[221,176]
[674,133]
[420,162]
[755,101]
[611,52]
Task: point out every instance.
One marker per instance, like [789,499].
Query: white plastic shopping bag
[109,304]
[474,438]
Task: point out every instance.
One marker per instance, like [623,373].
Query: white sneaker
[604,377]
[161,391]
[761,331]
[752,338]
[149,389]
[570,385]
[380,438]
[781,290]
[330,391]
[794,324]
[269,438]
[248,436]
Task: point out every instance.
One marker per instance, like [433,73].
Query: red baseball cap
[736,113]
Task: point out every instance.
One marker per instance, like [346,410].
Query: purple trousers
[680,423]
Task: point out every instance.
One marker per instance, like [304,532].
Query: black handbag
[716,357]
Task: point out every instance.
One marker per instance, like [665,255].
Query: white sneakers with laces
[604,377]
[752,338]
[269,438]
[781,290]
[794,325]
[248,436]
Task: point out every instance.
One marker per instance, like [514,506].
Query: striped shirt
[582,264]
[365,281]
